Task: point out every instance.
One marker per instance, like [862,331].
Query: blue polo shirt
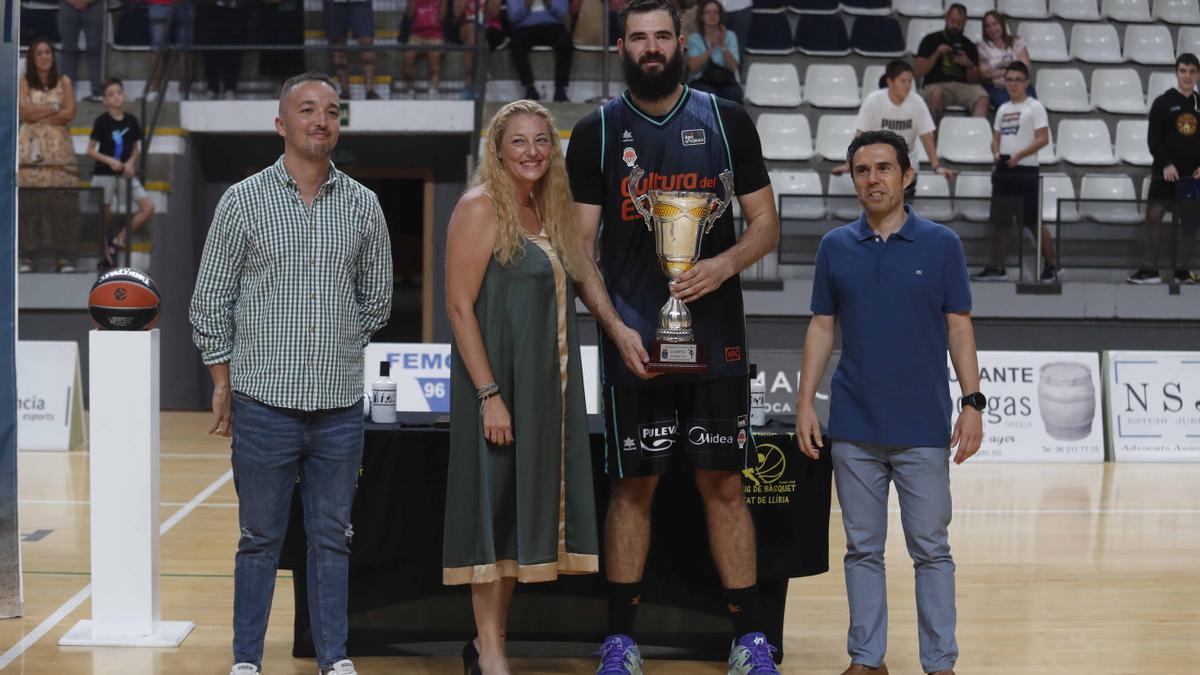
[890,299]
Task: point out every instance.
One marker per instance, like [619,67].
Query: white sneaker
[244,669]
[343,667]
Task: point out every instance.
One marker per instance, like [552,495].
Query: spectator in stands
[171,22]
[540,22]
[224,22]
[116,144]
[425,29]
[466,18]
[997,50]
[86,16]
[357,17]
[1174,139]
[896,109]
[949,62]
[46,104]
[738,14]
[713,54]
[1021,129]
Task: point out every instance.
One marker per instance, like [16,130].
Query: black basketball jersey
[687,149]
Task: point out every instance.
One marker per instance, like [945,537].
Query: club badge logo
[629,156]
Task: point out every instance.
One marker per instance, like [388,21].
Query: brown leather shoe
[860,669]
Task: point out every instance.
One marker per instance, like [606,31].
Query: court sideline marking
[69,606]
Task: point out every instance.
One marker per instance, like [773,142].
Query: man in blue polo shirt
[897,283]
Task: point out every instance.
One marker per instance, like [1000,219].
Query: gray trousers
[90,22]
[922,477]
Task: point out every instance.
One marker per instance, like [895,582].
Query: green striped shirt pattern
[289,295]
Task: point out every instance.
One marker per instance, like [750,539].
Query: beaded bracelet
[487,390]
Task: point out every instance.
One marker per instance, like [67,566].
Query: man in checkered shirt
[296,276]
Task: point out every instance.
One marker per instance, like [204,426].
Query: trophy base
[676,357]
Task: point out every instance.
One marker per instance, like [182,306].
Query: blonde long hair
[551,194]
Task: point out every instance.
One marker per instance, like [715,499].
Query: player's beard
[653,86]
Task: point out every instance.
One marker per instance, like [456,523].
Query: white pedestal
[124,388]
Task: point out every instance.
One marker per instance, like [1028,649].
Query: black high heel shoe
[471,659]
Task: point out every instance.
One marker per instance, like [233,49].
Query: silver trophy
[678,221]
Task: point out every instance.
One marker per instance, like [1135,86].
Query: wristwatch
[977,401]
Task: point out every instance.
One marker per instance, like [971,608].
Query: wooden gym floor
[1090,569]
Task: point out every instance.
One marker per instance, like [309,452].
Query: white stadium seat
[932,200]
[1151,45]
[974,30]
[871,75]
[834,133]
[1062,90]
[918,7]
[1184,12]
[971,194]
[1085,142]
[1109,187]
[1118,90]
[798,194]
[1055,187]
[1045,41]
[773,85]
[1126,11]
[1095,43]
[1189,40]
[843,200]
[1023,9]
[1075,10]
[965,139]
[1159,83]
[831,86]
[1131,145]
[918,29]
[785,136]
[975,8]
[1049,152]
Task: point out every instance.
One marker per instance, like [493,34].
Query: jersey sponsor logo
[710,432]
[629,156]
[733,354]
[741,438]
[627,137]
[743,421]
[657,436]
[674,182]
[693,137]
[896,125]
[1186,124]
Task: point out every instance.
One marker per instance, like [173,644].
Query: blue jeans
[275,449]
[862,473]
[90,22]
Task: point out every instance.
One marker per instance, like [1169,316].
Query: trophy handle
[719,205]
[640,201]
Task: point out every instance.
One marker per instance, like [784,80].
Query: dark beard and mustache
[653,86]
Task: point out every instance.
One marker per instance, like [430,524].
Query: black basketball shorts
[705,424]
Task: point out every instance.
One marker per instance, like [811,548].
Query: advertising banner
[779,375]
[1153,406]
[49,396]
[1042,406]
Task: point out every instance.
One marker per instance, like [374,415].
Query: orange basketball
[124,299]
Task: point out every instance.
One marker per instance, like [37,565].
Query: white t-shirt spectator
[910,119]
[996,58]
[1016,123]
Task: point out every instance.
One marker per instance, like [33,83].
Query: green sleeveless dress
[525,510]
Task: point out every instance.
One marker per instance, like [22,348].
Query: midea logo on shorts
[699,436]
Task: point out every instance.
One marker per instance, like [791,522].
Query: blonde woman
[519,501]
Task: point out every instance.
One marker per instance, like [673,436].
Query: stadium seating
[769,35]
[877,37]
[1126,11]
[971,192]
[918,29]
[834,133]
[1063,90]
[1045,41]
[831,86]
[1151,45]
[843,200]
[1118,90]
[1056,187]
[1131,145]
[1189,40]
[1085,142]
[822,35]
[1183,12]
[867,7]
[974,30]
[130,31]
[976,8]
[1095,43]
[965,139]
[785,136]
[39,22]
[932,200]
[919,8]
[1109,187]
[1159,83]
[773,85]
[1023,9]
[770,6]
[813,6]
[1075,10]
[1049,152]
[799,194]
[871,75]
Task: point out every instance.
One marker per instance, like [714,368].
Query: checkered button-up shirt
[289,295]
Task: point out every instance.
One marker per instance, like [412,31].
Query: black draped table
[399,606]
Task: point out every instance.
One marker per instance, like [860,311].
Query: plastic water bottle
[383,396]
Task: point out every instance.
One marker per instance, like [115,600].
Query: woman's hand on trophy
[497,423]
[633,352]
[706,276]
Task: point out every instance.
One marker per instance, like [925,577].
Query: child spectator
[428,31]
[357,17]
[465,17]
[116,144]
